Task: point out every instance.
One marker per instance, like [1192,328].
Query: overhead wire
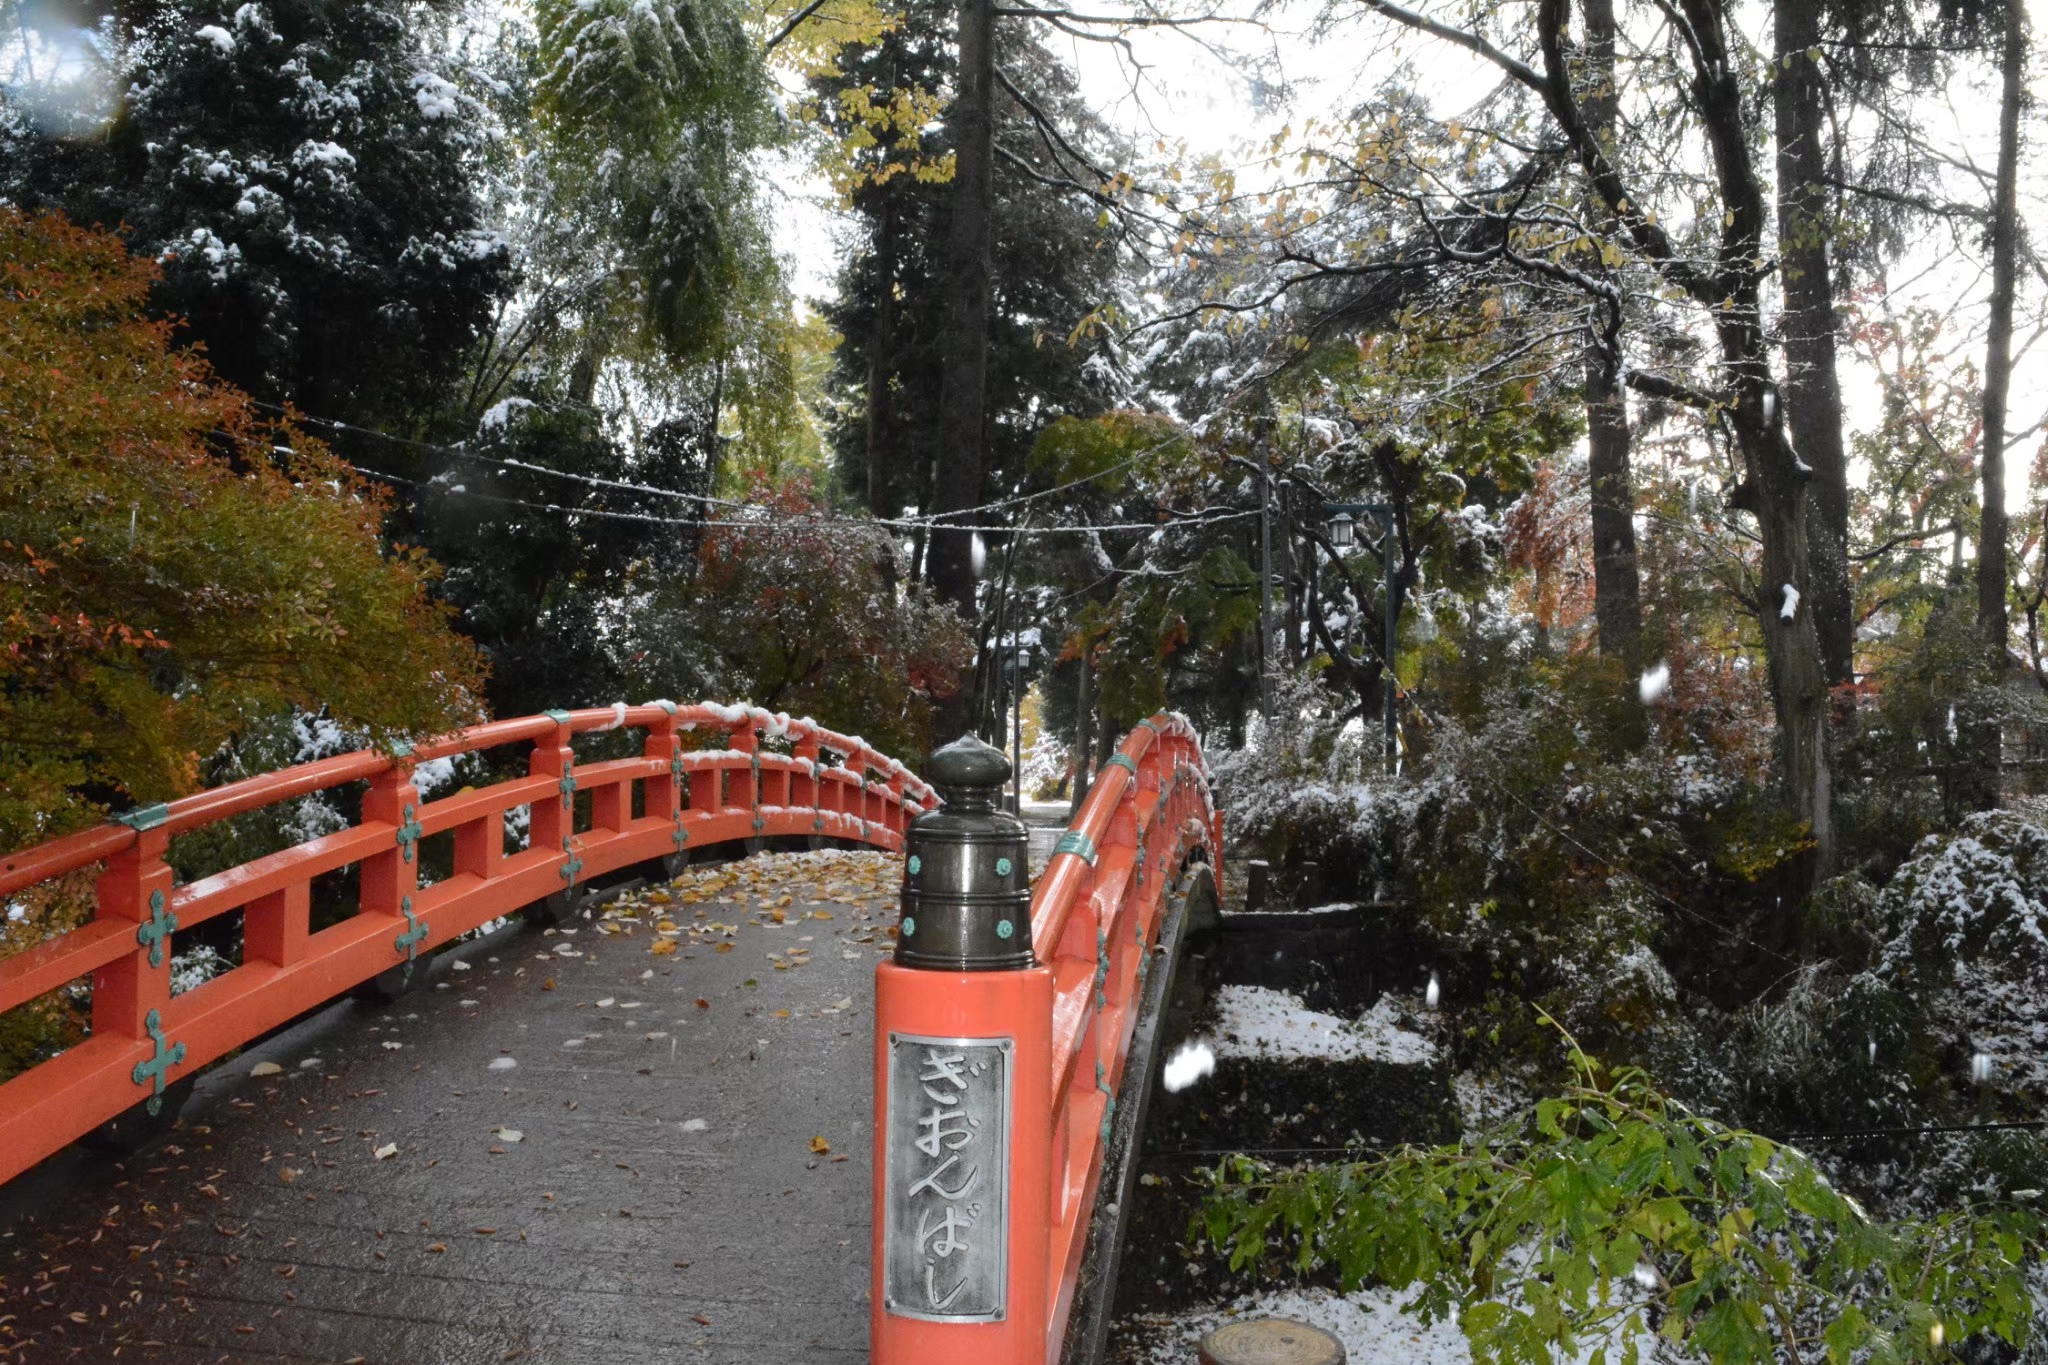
[798,522]
[941,520]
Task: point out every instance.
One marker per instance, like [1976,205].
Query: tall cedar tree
[1052,263]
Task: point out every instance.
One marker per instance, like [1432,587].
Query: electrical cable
[596,481]
[794,523]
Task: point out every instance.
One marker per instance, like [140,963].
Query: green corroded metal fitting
[667,706]
[570,868]
[1151,725]
[681,836]
[567,786]
[675,766]
[408,833]
[401,748]
[558,717]
[1109,1099]
[1124,761]
[156,931]
[151,1073]
[1078,844]
[416,931]
[144,817]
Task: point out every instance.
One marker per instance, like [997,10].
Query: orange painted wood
[1093,925]
[276,926]
[237,886]
[45,967]
[287,969]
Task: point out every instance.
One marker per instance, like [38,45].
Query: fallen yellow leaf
[722,948]
[820,1146]
[663,947]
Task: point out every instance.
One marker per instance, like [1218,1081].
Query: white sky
[1276,76]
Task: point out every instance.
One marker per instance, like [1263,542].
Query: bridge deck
[663,1200]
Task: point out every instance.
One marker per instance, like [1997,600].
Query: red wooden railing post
[136,888]
[745,739]
[551,821]
[663,792]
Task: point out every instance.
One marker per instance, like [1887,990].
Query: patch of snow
[1791,607]
[432,775]
[1259,1021]
[222,40]
[436,96]
[332,155]
[501,415]
[1656,681]
[195,967]
[1482,1103]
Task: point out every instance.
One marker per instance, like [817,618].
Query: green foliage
[797,613]
[648,112]
[172,568]
[1110,450]
[1609,1217]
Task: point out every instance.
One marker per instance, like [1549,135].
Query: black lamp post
[1341,526]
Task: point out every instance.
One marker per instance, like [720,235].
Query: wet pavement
[643,1139]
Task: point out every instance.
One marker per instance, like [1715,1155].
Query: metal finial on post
[966,888]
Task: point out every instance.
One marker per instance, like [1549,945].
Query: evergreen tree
[1053,264]
[305,173]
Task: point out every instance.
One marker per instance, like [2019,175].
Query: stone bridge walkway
[643,1139]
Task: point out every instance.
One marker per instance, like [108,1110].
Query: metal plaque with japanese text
[945,1244]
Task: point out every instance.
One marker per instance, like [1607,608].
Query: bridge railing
[968,1271]
[143,1038]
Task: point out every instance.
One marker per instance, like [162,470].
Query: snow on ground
[1373,1324]
[1483,1102]
[1259,1021]
[1370,1323]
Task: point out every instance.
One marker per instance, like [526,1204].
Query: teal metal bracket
[154,932]
[144,817]
[409,832]
[152,1072]
[415,934]
[1078,844]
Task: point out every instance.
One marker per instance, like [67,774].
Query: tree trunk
[881,362]
[1617,595]
[1981,787]
[1813,393]
[1084,719]
[1777,480]
[963,386]
[2005,225]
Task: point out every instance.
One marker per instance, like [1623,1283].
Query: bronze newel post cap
[966,889]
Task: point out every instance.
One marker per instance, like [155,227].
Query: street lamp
[1341,528]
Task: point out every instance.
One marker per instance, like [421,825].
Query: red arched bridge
[688,1110]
